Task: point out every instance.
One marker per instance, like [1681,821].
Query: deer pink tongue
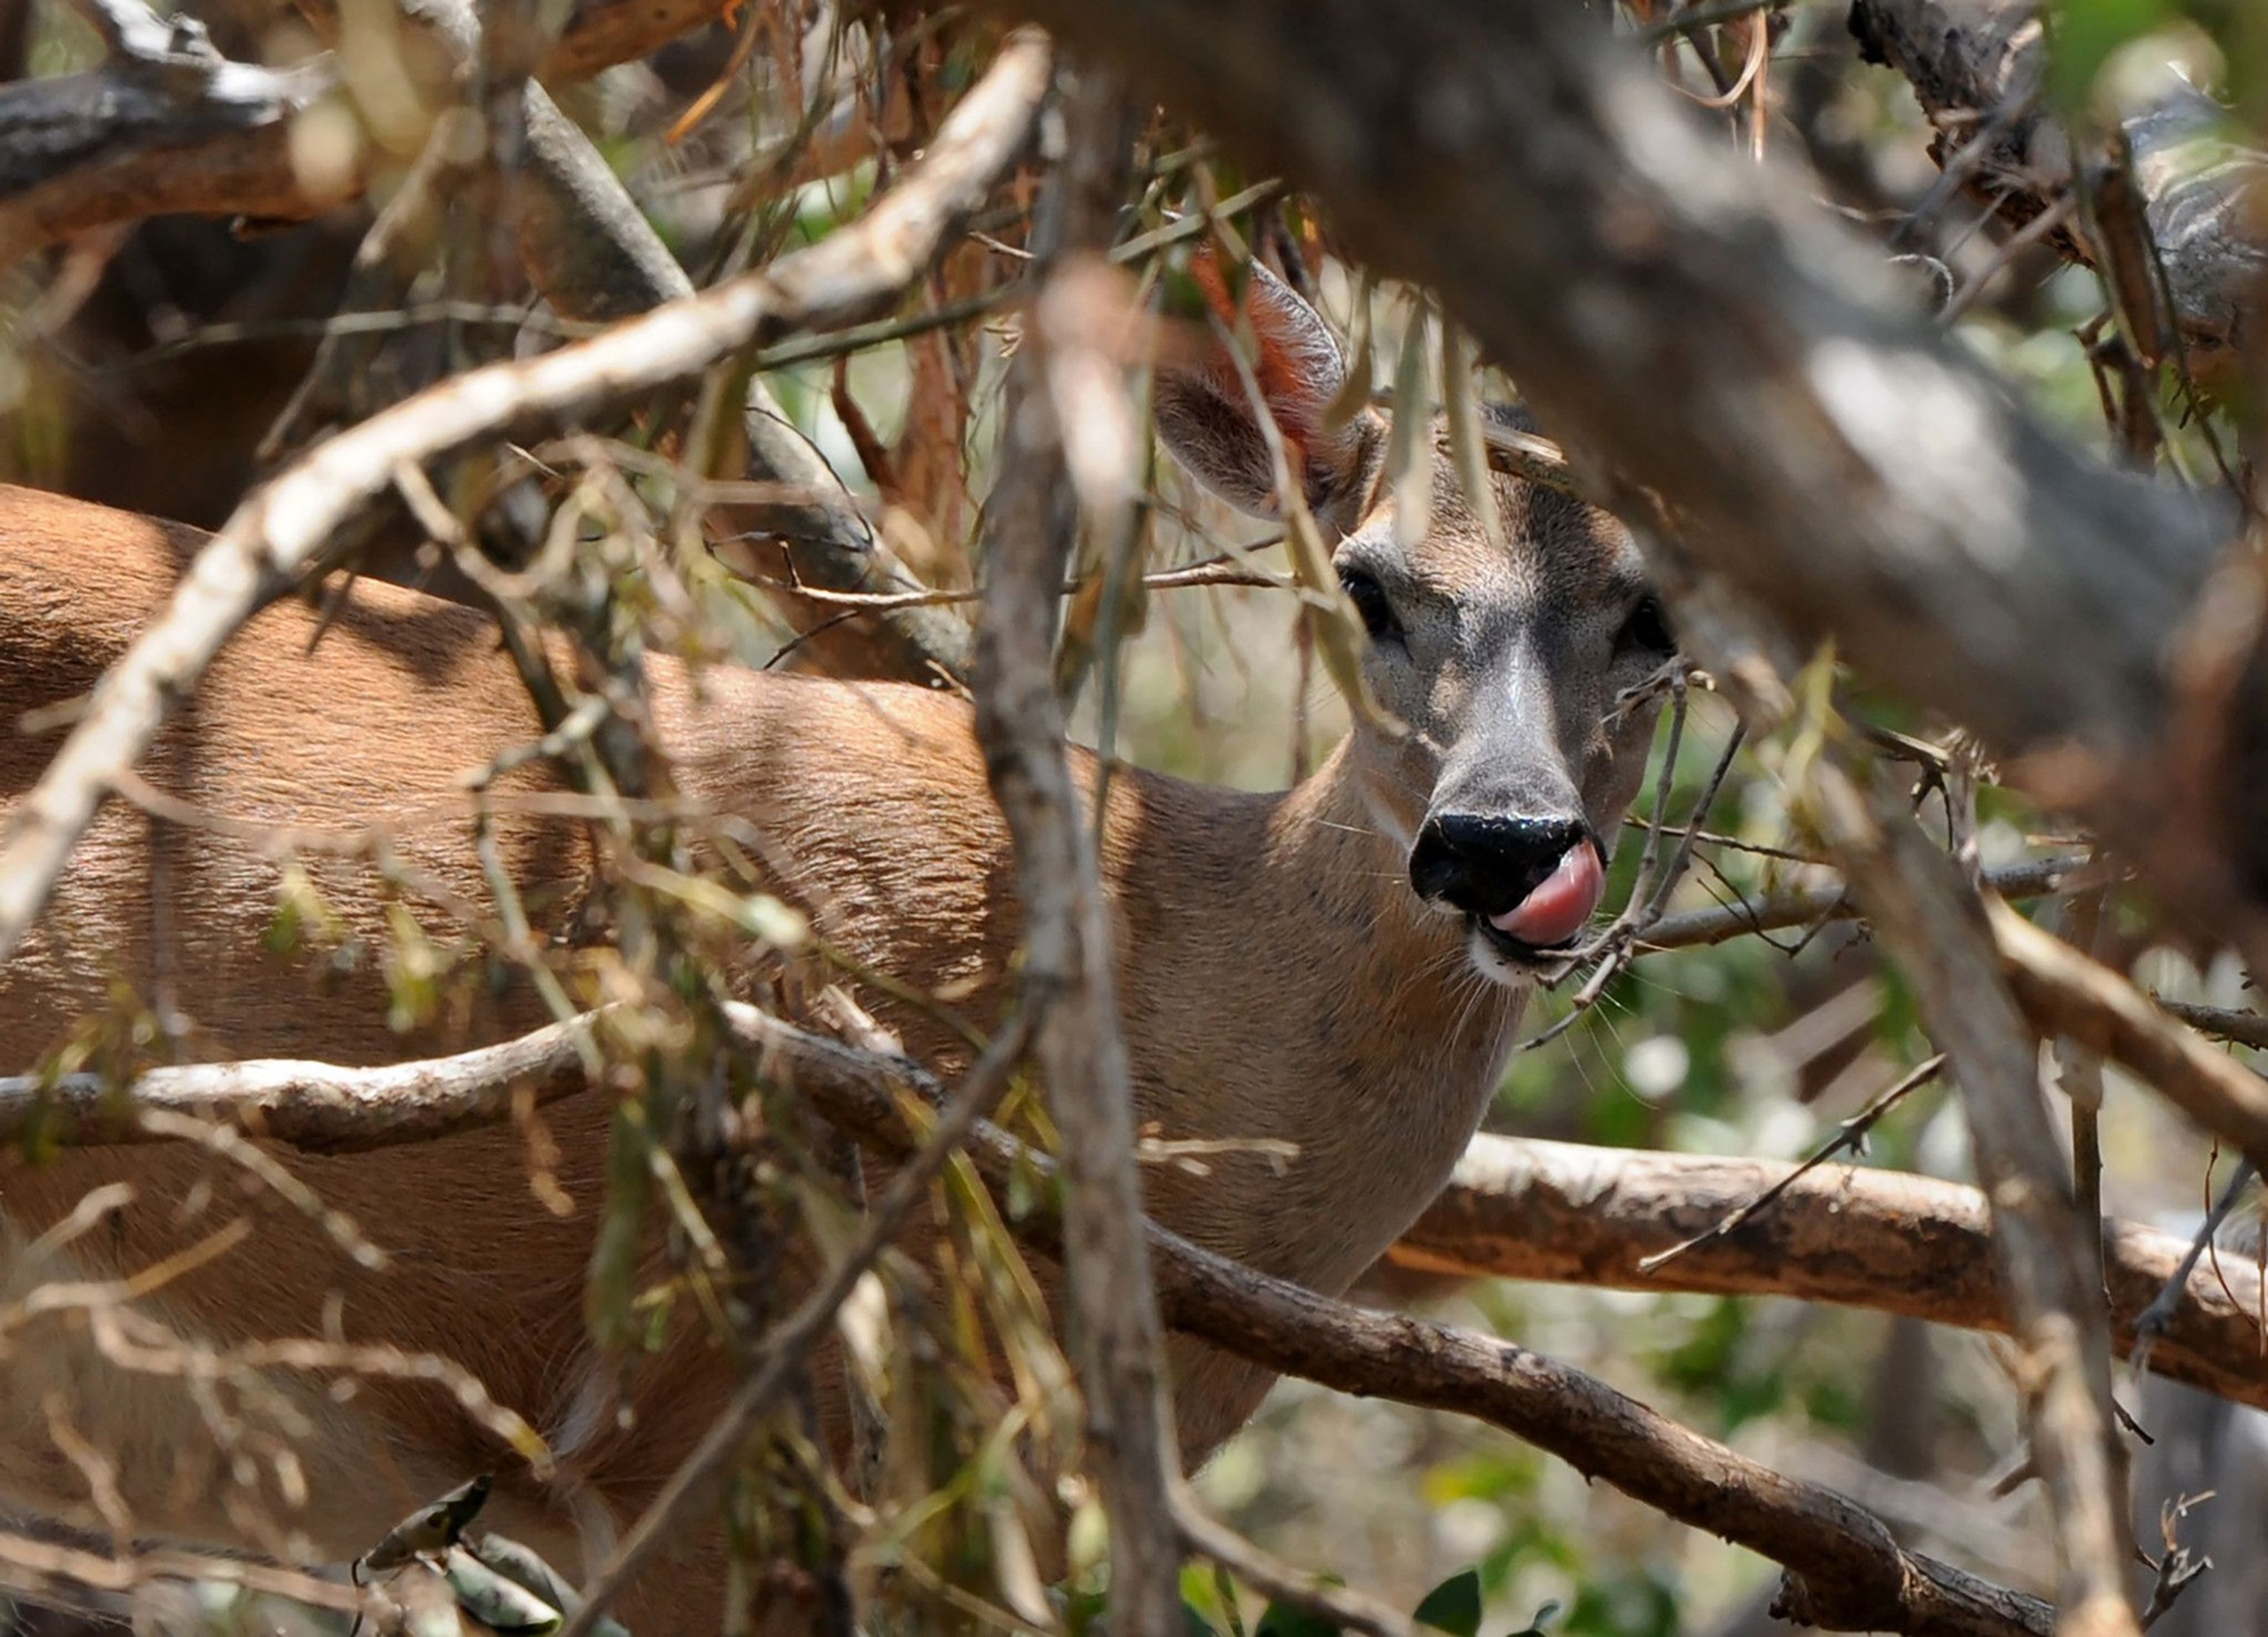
[1561,903]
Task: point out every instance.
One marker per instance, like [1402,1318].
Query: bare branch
[1068,988]
[1847,1573]
[41,1569]
[1341,1605]
[313,1107]
[1517,1208]
[1856,1237]
[129,140]
[1926,914]
[1807,906]
[284,529]
[1967,60]
[2067,994]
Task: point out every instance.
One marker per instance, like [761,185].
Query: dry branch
[2067,994]
[787,1345]
[1976,66]
[48,1572]
[185,130]
[313,1107]
[1831,901]
[1855,1236]
[1068,986]
[194,134]
[284,529]
[594,257]
[1846,1571]
[1853,1576]
[1930,918]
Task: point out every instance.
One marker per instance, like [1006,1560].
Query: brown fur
[1279,981]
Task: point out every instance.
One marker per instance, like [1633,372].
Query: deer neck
[1333,1022]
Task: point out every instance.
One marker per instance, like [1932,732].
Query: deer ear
[1206,415]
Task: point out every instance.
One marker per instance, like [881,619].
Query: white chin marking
[1493,965]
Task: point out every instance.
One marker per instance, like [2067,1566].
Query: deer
[1334,973]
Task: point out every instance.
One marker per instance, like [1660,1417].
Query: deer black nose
[1487,865]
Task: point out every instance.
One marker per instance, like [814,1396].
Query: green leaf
[2084,35]
[1454,1606]
[509,1558]
[430,1529]
[1284,1620]
[1194,1624]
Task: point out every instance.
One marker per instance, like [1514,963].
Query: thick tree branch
[134,138]
[1690,322]
[1855,1236]
[283,530]
[1517,1208]
[1846,1573]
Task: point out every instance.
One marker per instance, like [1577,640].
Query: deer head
[1509,666]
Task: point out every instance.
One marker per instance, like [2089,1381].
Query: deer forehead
[1556,553]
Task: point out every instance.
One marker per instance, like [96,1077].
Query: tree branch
[1517,1208]
[1933,922]
[1854,1237]
[1690,322]
[1976,66]
[1031,525]
[1847,1571]
[192,133]
[282,529]
[2066,992]
[197,134]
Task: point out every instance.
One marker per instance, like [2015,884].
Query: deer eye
[1369,599]
[1647,628]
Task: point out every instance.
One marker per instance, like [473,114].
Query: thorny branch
[284,529]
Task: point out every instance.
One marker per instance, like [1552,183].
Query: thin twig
[1850,1138]
[784,1349]
[2159,1313]
[1341,1606]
